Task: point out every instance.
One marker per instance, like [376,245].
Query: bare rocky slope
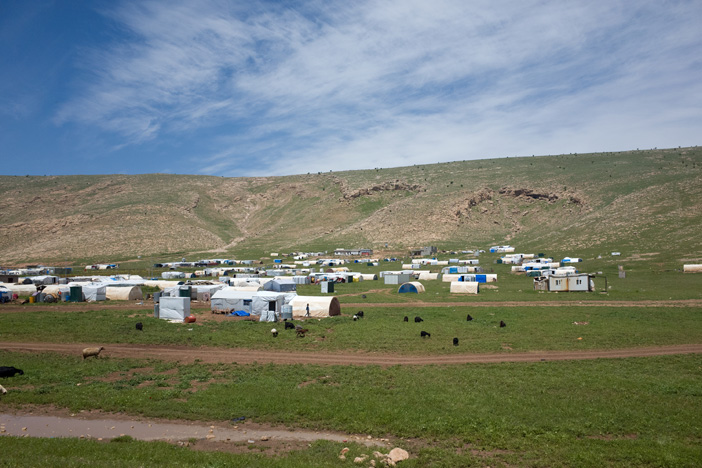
[644,201]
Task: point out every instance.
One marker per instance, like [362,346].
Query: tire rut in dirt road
[247,356]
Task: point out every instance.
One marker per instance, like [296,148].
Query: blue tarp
[240,313]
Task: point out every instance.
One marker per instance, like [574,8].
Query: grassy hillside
[642,202]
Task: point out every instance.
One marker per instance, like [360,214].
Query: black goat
[406,319]
[359,314]
[418,319]
[10,371]
[455,341]
[502,324]
[424,334]
[468,318]
[140,326]
[289,326]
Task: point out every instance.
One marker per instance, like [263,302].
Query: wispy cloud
[345,85]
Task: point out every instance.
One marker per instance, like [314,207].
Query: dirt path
[52,422]
[246,356]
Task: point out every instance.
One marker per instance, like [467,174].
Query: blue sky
[247,88]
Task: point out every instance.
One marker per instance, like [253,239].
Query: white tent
[426,275]
[464,287]
[174,308]
[692,268]
[230,299]
[265,303]
[124,293]
[450,277]
[172,274]
[320,306]
[20,289]
[369,276]
[161,284]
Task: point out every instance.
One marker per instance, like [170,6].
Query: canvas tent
[464,287]
[229,299]
[92,291]
[20,289]
[280,285]
[320,306]
[692,268]
[426,275]
[411,287]
[174,308]
[267,303]
[124,293]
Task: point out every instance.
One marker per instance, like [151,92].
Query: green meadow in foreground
[382,330]
[616,412]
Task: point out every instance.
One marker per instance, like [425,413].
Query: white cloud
[344,85]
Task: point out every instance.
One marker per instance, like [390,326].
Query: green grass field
[626,412]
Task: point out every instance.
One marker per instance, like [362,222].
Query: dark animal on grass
[502,324]
[418,319]
[424,334]
[140,326]
[406,319]
[468,318]
[301,332]
[363,296]
[289,326]
[359,314]
[6,371]
[455,341]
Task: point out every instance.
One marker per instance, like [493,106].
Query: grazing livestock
[2,390]
[355,317]
[406,319]
[359,314]
[301,332]
[289,326]
[424,334]
[502,324]
[87,352]
[363,296]
[469,318]
[140,326]
[274,332]
[418,319]
[455,341]
[10,371]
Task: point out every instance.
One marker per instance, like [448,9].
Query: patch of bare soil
[245,356]
[230,436]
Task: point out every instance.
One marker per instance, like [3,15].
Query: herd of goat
[7,371]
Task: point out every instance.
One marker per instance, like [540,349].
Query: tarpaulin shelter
[411,287]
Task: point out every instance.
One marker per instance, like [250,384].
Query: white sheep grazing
[87,352]
[274,332]
[2,390]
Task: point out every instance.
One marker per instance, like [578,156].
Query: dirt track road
[247,356]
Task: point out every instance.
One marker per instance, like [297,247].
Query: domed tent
[124,293]
[319,306]
[465,287]
[411,287]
